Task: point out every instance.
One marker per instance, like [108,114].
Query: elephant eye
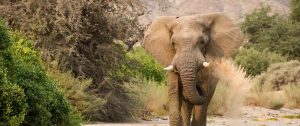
[172,41]
[202,42]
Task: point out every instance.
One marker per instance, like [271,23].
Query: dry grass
[151,96]
[155,98]
[292,93]
[263,95]
[74,90]
[277,87]
[218,103]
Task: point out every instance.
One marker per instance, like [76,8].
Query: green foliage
[255,62]
[148,67]
[13,104]
[83,33]
[295,8]
[29,86]
[272,33]
[256,22]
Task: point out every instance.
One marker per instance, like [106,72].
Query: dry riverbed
[248,116]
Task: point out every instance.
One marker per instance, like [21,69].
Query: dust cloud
[237,82]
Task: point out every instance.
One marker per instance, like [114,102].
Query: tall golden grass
[278,87]
[151,97]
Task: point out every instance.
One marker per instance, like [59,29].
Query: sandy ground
[248,116]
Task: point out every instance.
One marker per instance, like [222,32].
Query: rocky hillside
[236,9]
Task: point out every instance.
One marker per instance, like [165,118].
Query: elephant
[189,47]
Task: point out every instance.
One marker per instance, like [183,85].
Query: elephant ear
[157,39]
[226,37]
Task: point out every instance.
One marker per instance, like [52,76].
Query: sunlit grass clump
[277,87]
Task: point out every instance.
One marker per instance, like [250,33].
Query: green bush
[272,33]
[256,22]
[21,65]
[255,62]
[147,66]
[13,104]
[295,7]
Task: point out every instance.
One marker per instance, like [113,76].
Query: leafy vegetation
[79,35]
[28,95]
[255,62]
[295,8]
[272,33]
[271,56]
[149,68]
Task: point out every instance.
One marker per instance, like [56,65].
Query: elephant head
[187,44]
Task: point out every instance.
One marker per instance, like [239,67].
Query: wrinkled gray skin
[186,42]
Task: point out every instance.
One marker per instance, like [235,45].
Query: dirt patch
[248,116]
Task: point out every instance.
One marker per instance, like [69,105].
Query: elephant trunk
[188,68]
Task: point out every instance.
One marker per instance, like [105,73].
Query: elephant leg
[199,116]
[186,111]
[174,100]
[200,112]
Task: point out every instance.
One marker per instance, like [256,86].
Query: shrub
[148,67]
[281,74]
[47,105]
[278,86]
[83,33]
[258,21]
[295,8]
[151,97]
[13,105]
[75,90]
[255,62]
[272,33]
[265,96]
[292,95]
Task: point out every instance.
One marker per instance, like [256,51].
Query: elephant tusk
[206,64]
[169,68]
